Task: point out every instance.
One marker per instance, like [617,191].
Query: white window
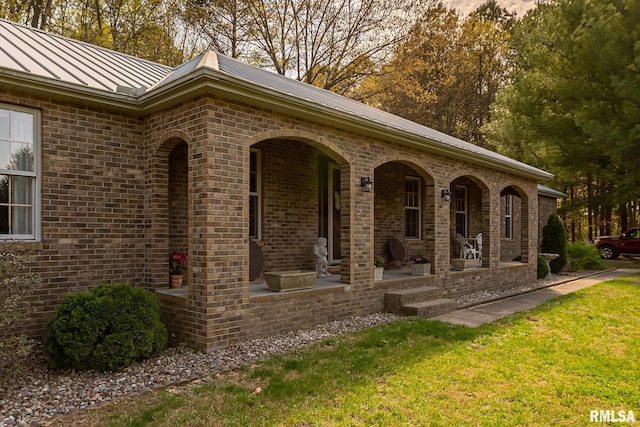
[19,173]
[255,205]
[412,208]
[460,199]
[508,218]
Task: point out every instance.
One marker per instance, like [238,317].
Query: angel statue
[322,263]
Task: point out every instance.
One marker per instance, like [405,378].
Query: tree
[148,29]
[554,241]
[447,73]
[331,44]
[573,105]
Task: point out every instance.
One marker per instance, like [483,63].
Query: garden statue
[322,263]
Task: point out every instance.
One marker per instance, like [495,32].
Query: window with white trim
[19,173]
[412,212]
[460,199]
[508,216]
[255,205]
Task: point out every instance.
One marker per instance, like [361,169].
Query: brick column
[218,194]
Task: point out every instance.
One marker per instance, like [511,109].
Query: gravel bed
[35,394]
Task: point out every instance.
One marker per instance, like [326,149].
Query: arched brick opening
[299,190]
[404,210]
[470,215]
[168,180]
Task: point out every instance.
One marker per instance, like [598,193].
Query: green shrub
[17,302]
[583,257]
[543,267]
[554,241]
[106,328]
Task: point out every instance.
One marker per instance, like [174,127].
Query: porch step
[430,308]
[425,301]
[394,301]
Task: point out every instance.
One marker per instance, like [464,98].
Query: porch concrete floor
[259,287]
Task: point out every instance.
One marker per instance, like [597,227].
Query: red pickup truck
[611,247]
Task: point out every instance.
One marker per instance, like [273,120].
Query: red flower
[177,263]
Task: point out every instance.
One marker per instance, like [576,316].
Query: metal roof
[547,191]
[27,49]
[26,52]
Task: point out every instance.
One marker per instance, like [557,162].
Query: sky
[520,7]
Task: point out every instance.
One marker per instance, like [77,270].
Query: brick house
[131,160]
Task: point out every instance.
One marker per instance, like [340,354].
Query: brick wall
[119,193]
[93,213]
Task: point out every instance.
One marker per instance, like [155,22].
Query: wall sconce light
[366,182]
[446,195]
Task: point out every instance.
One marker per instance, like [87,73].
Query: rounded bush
[106,328]
[543,267]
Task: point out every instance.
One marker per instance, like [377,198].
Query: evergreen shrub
[106,328]
[554,241]
[543,267]
[583,257]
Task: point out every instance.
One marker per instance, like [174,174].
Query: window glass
[21,190]
[22,127]
[4,219]
[412,223]
[22,157]
[461,210]
[4,124]
[4,189]
[18,183]
[412,208]
[254,194]
[5,155]
[508,224]
[253,174]
[21,220]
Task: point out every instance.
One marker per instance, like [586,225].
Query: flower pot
[377,273]
[421,269]
[175,281]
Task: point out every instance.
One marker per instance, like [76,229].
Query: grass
[547,366]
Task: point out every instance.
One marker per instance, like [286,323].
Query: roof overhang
[207,80]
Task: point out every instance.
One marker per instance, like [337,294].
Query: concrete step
[431,308]
[395,300]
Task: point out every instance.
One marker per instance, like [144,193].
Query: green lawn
[549,366]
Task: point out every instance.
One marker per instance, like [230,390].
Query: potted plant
[177,263]
[379,268]
[421,265]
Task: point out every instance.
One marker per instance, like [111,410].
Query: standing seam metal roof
[52,56]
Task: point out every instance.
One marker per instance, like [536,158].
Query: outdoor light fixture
[366,182]
[446,195]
